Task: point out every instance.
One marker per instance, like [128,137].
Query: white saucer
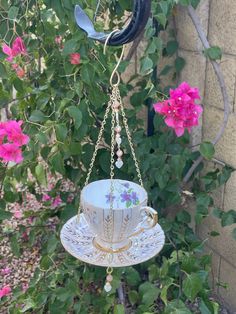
[77,239]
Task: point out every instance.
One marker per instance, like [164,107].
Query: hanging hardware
[141,13]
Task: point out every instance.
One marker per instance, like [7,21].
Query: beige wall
[218,18]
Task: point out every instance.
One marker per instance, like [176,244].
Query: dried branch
[121,294]
[134,46]
[220,77]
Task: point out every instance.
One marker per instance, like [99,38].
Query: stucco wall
[218,18]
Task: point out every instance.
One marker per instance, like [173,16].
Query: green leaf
[153,272]
[217,212]
[76,115]
[68,212]
[146,65]
[214,234]
[214,53]
[18,84]
[164,292]
[3,71]
[5,215]
[15,245]
[75,148]
[61,132]
[132,277]
[192,285]
[133,297]
[63,294]
[179,64]
[70,46]
[228,218]
[87,73]
[10,196]
[177,165]
[172,47]
[162,19]
[185,2]
[13,12]
[176,307]
[41,174]
[207,150]
[37,116]
[2,204]
[195,3]
[52,244]
[57,163]
[119,309]
[184,217]
[149,293]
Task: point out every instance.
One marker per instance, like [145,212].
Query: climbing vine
[58,86]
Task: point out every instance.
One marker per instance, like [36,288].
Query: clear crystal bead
[119,163]
[118,141]
[108,287]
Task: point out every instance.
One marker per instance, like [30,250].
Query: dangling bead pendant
[119,163]
[109,279]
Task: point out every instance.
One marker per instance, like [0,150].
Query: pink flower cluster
[18,48]
[75,58]
[11,150]
[6,290]
[57,201]
[180,110]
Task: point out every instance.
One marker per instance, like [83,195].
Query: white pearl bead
[108,287]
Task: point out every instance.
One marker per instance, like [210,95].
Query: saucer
[78,240]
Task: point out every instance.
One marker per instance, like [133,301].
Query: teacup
[116,210]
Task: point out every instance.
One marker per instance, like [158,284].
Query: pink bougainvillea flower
[75,58]
[184,90]
[57,201]
[5,271]
[6,290]
[18,48]
[46,198]
[14,133]
[180,110]
[8,51]
[10,152]
[18,214]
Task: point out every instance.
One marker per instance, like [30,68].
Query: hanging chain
[112,174]
[98,142]
[96,148]
[125,122]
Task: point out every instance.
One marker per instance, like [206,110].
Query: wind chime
[114,226]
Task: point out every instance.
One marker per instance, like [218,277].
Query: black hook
[141,13]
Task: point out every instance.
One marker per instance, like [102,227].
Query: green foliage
[62,106]
[214,53]
[207,150]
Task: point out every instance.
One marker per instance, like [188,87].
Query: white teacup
[114,227]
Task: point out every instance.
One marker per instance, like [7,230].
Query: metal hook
[141,13]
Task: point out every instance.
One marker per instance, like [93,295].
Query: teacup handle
[151,218]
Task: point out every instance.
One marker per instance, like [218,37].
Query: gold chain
[125,122]
[112,174]
[96,148]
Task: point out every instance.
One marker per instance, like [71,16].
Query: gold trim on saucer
[107,250]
